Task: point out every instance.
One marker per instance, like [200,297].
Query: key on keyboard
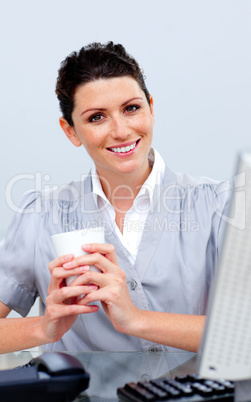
[190,388]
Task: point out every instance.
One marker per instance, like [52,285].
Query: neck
[122,189]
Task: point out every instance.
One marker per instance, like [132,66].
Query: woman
[162,229]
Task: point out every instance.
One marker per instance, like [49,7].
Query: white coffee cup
[71,242]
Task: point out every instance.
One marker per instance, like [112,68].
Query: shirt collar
[155,178]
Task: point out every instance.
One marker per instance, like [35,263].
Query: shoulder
[69,193]
[186,181]
[199,190]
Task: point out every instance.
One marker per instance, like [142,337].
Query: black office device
[50,377]
[190,388]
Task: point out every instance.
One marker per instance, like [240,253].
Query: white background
[196,58]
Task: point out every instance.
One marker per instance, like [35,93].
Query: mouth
[125,149]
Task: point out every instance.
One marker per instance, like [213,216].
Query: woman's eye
[132,108]
[96,117]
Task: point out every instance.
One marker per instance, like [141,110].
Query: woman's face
[114,122]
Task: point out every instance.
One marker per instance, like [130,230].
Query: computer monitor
[225,350]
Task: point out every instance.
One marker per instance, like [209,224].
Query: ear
[151,107]
[69,132]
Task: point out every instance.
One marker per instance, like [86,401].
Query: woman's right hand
[62,308]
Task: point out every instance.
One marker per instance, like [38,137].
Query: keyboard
[190,388]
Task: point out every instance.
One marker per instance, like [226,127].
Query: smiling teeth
[124,149]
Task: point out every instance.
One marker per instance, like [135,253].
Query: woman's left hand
[113,291]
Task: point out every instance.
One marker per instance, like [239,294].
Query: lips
[124,149]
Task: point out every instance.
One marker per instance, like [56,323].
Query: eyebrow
[97,109]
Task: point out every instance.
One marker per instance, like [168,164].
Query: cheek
[145,126]
[145,121]
[93,140]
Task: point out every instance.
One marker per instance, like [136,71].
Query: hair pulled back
[92,62]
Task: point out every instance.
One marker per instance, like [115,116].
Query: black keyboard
[191,388]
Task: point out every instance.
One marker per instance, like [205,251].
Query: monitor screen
[225,350]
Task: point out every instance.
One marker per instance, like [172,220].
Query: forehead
[107,90]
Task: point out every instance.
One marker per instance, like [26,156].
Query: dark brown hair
[93,62]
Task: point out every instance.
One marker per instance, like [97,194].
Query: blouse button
[145,377]
[153,349]
[133,285]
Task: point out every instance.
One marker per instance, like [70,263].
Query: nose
[119,128]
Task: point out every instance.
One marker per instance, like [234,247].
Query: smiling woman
[109,116]
[154,276]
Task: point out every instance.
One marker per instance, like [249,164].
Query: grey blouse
[172,272]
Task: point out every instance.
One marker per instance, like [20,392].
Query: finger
[81,280]
[56,280]
[98,260]
[62,273]
[114,284]
[102,294]
[65,310]
[59,261]
[67,292]
[106,249]
[87,279]
[58,276]
[88,298]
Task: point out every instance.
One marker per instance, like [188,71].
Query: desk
[111,370]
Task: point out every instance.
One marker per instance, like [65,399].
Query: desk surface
[111,370]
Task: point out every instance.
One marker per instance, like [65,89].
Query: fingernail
[86,246]
[67,265]
[68,257]
[84,268]
[93,287]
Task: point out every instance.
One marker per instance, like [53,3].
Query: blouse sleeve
[222,202]
[17,251]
